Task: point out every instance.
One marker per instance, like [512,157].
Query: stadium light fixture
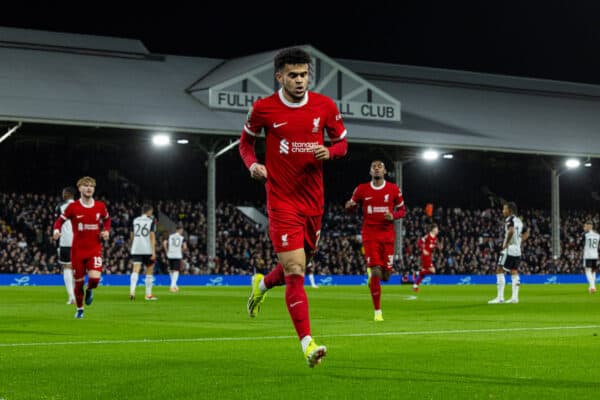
[430,155]
[587,164]
[161,139]
[448,156]
[572,163]
[182,141]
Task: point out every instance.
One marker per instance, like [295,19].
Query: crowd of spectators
[468,242]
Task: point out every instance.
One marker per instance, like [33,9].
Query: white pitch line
[241,339]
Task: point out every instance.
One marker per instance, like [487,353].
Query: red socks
[375,287]
[297,303]
[79,293]
[275,277]
[422,274]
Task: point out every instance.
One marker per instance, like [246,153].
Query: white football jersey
[590,248]
[174,246]
[66,231]
[142,226]
[514,246]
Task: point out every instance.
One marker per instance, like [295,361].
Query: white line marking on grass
[241,339]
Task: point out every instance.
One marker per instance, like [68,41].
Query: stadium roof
[74,79]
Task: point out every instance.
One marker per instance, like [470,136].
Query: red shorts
[379,253]
[426,262]
[84,262]
[291,230]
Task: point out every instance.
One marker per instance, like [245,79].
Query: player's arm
[509,235]
[184,246]
[105,224]
[252,129]
[60,221]
[153,244]
[353,202]
[165,244]
[525,235]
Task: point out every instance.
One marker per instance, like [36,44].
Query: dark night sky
[546,39]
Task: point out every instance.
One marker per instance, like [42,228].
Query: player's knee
[293,268]
[376,271]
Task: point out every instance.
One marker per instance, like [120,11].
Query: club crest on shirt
[284,240]
[316,124]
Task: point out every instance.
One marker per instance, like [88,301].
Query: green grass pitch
[200,344]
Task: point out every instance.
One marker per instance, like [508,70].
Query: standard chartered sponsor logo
[285,147]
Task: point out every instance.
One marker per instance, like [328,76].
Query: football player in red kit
[294,122]
[91,223]
[382,203]
[427,244]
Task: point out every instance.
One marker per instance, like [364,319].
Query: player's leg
[149,278]
[512,264]
[174,268]
[79,278]
[500,280]
[94,275]
[311,275]
[426,266]
[590,274]
[135,274]
[64,258]
[373,256]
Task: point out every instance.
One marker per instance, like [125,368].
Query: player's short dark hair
[432,227]
[589,222]
[512,206]
[147,207]
[71,190]
[291,56]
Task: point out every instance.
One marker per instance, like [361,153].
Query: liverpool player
[294,121]
[427,244]
[382,203]
[91,222]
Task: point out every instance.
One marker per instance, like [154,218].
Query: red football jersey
[294,176]
[375,202]
[86,222]
[428,243]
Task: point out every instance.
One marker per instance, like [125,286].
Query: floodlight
[430,155]
[572,163]
[161,139]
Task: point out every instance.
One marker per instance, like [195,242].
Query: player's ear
[279,77]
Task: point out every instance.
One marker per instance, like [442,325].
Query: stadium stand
[468,242]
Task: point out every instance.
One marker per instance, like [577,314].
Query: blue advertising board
[322,280]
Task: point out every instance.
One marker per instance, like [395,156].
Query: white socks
[305,342]
[500,282]
[261,285]
[591,278]
[133,282]
[68,277]
[311,279]
[174,277]
[149,281]
[516,283]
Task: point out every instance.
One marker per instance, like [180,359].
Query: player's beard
[297,98]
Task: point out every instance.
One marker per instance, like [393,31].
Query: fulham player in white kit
[143,251]
[590,254]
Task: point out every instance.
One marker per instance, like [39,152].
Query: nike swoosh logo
[296,303]
[368,198]
[277,125]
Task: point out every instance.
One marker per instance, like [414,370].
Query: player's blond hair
[86,180]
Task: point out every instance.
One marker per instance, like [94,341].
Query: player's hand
[258,171]
[104,235]
[321,152]
[425,252]
[350,204]
[388,216]
[432,270]
[56,234]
